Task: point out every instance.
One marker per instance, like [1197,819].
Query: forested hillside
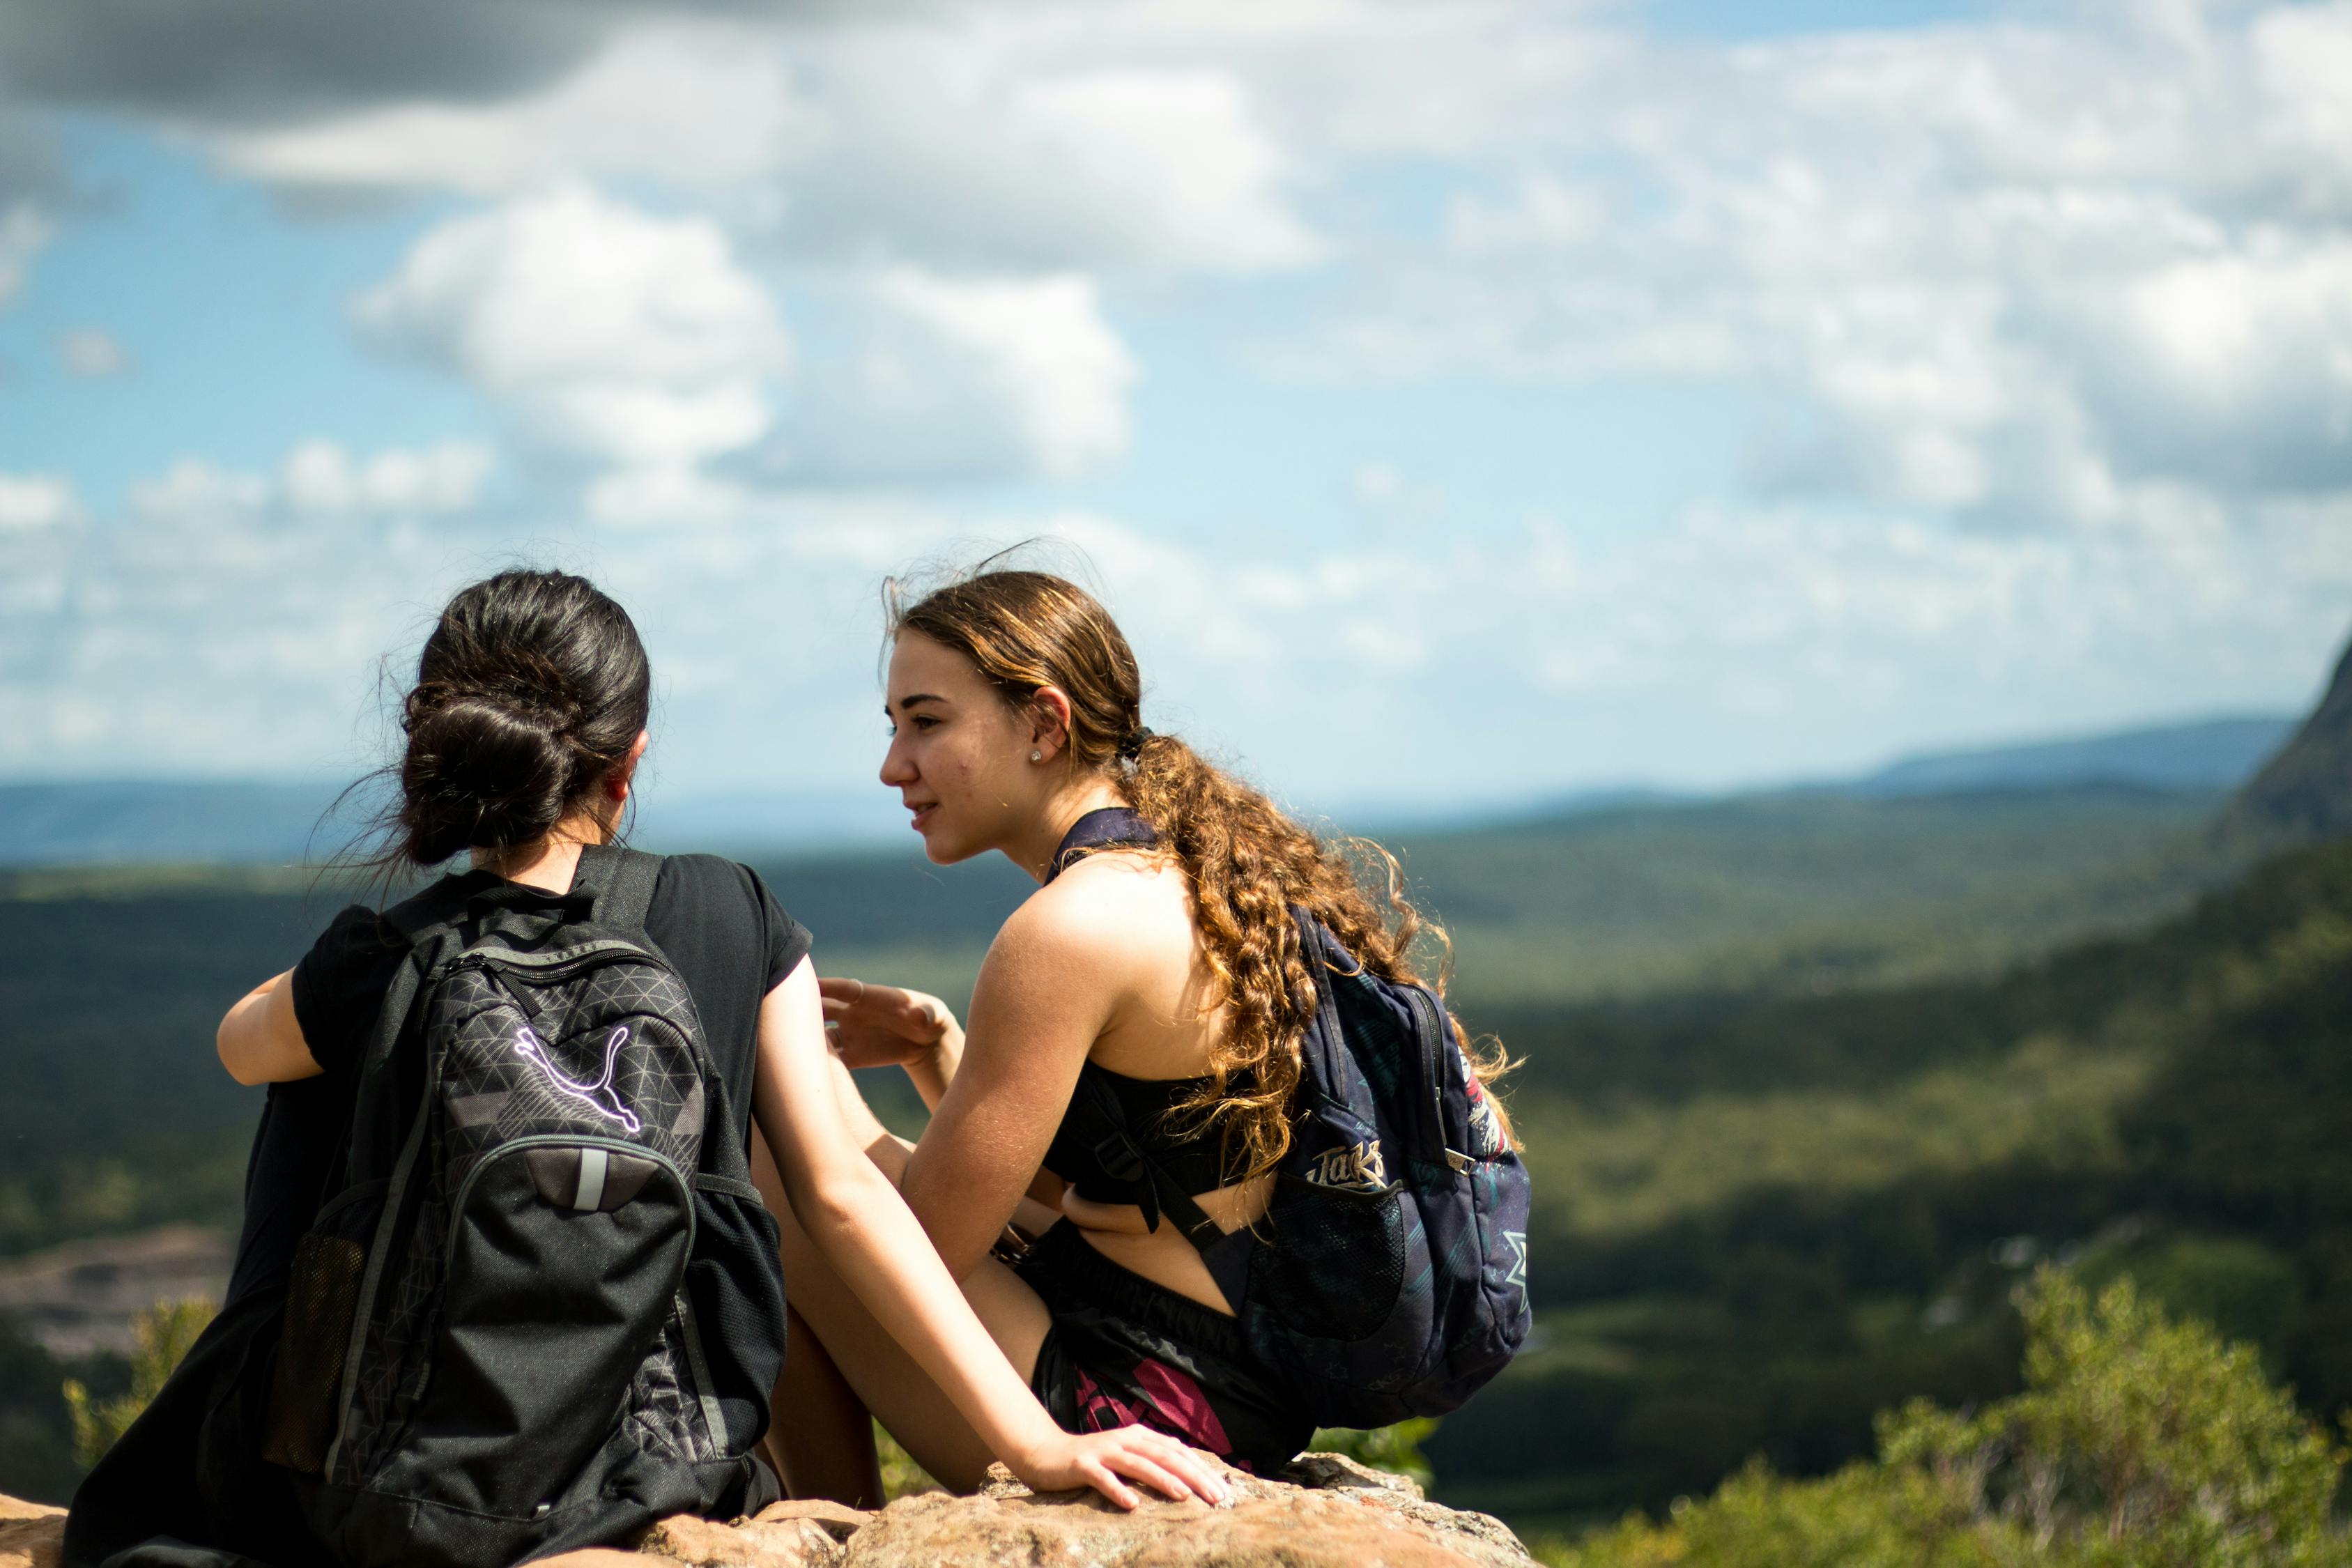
[1764,1220]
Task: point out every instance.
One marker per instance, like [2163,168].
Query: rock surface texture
[31,1533]
[1327,1512]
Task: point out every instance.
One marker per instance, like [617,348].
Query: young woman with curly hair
[1158,964]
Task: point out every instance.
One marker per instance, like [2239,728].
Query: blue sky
[1456,403]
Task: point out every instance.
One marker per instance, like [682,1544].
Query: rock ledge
[1327,1511]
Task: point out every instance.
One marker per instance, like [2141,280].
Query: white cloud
[628,339]
[2003,270]
[1731,647]
[322,477]
[967,139]
[950,378]
[30,502]
[91,354]
[972,147]
[1387,494]
[24,230]
[194,489]
[1736,644]
[640,343]
[700,104]
[319,479]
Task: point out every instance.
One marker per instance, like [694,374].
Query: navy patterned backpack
[1389,1277]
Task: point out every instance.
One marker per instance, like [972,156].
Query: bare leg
[830,1452]
[881,1375]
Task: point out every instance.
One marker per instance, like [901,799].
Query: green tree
[163,1332]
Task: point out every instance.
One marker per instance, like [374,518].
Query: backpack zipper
[553,964]
[691,1330]
[1430,1035]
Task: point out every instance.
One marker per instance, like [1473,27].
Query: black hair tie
[1132,747]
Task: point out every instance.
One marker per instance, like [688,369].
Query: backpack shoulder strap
[373,1137]
[621,880]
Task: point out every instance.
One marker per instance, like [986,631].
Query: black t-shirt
[715,920]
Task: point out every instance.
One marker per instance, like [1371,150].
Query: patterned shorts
[1125,1350]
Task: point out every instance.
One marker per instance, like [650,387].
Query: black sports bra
[1114,1145]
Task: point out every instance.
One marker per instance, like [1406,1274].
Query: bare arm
[1045,995]
[259,1039]
[855,1216]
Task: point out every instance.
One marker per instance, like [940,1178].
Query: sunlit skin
[974,774]
[816,1176]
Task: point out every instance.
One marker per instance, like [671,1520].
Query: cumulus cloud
[628,339]
[702,105]
[945,378]
[642,345]
[30,188]
[959,141]
[1386,494]
[246,61]
[2005,272]
[318,479]
[194,489]
[92,354]
[1738,642]
[24,229]
[2087,270]
[1735,645]
[30,502]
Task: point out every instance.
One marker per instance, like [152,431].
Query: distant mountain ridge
[2211,755]
[103,822]
[120,822]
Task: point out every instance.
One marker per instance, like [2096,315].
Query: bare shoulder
[1108,912]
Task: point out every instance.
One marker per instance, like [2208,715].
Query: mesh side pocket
[737,1287]
[1337,1264]
[323,1292]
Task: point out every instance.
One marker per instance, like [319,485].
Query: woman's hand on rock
[1107,1460]
[881,1025]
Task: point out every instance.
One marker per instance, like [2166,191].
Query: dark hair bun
[530,691]
[478,773]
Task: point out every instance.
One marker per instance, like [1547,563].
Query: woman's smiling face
[958,755]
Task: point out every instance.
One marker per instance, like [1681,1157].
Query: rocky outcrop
[1331,1513]
[1327,1512]
[31,1533]
[2303,794]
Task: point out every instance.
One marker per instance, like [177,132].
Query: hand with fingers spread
[1107,1460]
[883,1026]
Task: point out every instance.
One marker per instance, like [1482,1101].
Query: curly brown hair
[1246,862]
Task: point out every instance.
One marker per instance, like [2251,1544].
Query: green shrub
[2138,1443]
[165,1332]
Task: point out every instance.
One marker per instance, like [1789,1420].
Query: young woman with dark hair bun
[525,730]
[1159,964]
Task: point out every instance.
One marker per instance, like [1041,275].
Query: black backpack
[542,1306]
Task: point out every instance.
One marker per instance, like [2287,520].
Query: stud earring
[1037,756]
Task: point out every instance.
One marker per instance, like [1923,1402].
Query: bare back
[1157,1029]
